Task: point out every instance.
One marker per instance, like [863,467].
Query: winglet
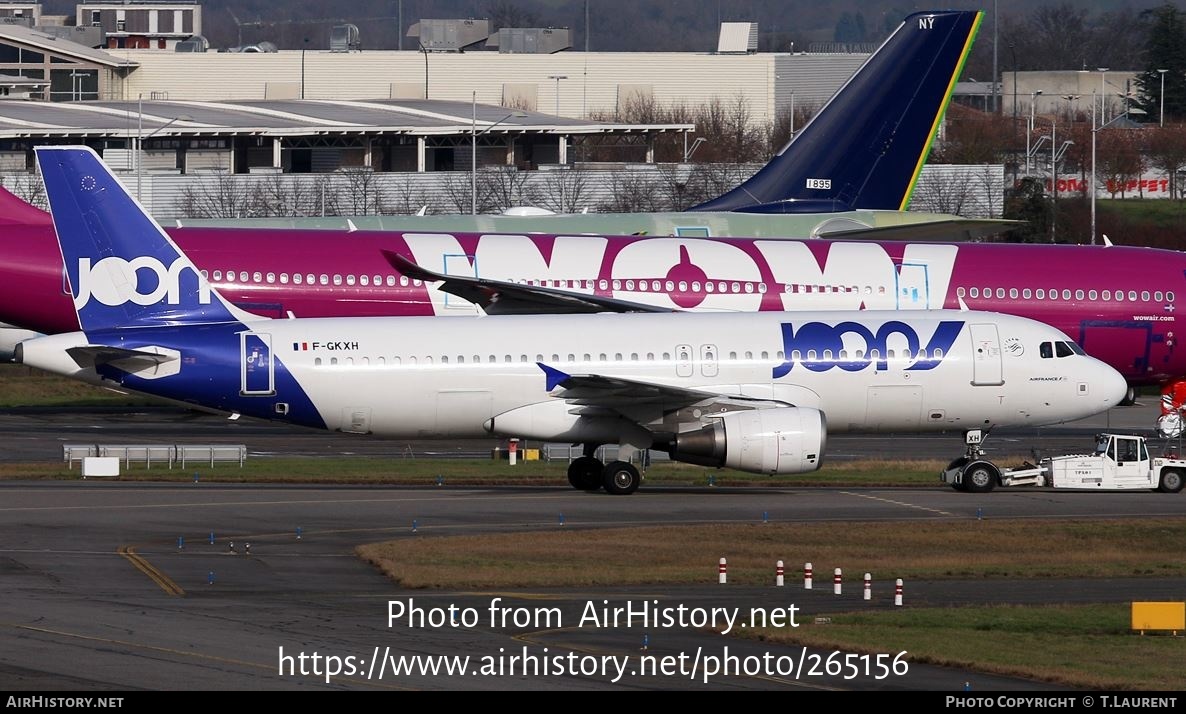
[554,376]
[1107,241]
[410,268]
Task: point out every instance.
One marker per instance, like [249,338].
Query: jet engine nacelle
[785,440]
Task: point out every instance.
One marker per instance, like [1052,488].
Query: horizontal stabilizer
[125,359]
[949,231]
[500,297]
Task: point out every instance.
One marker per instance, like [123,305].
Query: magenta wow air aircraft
[1119,303]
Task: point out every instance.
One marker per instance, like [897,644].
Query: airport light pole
[1033,101]
[473,137]
[557,77]
[1056,151]
[140,137]
[425,51]
[1091,185]
[1103,95]
[792,114]
[1161,112]
[1091,180]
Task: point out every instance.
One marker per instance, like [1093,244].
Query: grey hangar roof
[288,118]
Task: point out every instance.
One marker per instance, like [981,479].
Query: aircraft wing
[966,229]
[639,401]
[500,297]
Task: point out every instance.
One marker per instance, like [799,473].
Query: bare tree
[30,188]
[952,193]
[1166,148]
[1117,159]
[560,191]
[360,193]
[458,192]
[217,195]
[634,192]
[501,187]
[503,13]
[972,137]
[407,197]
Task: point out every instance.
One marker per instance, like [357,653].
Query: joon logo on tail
[141,281]
[820,347]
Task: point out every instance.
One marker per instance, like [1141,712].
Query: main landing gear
[587,473]
[975,473]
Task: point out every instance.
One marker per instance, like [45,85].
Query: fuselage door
[986,356]
[913,289]
[708,360]
[683,360]
[257,376]
[463,265]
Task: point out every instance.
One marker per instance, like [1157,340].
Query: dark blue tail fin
[866,147]
[124,270]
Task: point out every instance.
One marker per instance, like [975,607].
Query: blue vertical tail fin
[124,270]
[866,147]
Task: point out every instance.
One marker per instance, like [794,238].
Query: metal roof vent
[531,40]
[450,35]
[196,43]
[738,38]
[344,38]
[264,46]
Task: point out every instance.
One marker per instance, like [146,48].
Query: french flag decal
[300,346]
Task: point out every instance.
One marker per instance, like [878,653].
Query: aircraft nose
[1111,385]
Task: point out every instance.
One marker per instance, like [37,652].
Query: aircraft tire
[585,473]
[981,476]
[1170,481]
[621,478]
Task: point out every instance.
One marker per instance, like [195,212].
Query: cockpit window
[1063,349]
[1076,348]
[1046,350]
